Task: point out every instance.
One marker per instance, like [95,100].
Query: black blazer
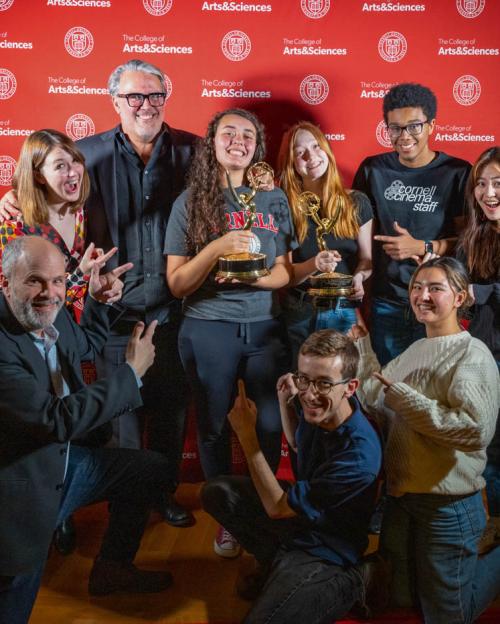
[35,426]
[102,204]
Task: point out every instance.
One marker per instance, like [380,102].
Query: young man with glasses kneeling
[307,537]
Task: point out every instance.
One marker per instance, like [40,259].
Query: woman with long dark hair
[479,250]
[306,163]
[230,329]
[437,405]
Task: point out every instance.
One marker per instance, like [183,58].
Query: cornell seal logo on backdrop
[6,4]
[467,90]
[314,89]
[382,135]
[79,42]
[168,86]
[315,9]
[8,84]
[392,46]
[7,168]
[236,45]
[79,126]
[470,8]
[157,7]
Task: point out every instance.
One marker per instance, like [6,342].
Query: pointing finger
[150,330]
[106,256]
[382,379]
[123,268]
[384,239]
[241,391]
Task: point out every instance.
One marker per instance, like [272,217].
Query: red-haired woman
[306,163]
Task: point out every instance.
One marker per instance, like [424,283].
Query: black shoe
[64,538]
[250,586]
[107,577]
[176,515]
[375,573]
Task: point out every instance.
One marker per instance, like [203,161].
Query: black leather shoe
[176,515]
[250,586]
[107,577]
[64,538]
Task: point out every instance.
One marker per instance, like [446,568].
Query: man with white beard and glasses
[44,405]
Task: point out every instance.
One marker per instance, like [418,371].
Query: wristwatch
[429,247]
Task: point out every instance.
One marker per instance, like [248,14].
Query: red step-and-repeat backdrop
[329,61]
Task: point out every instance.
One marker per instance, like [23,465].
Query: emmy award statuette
[248,266]
[324,286]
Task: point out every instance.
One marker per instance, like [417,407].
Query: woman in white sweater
[437,405]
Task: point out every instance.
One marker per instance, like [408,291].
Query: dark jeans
[215,355]
[393,329]
[164,394]
[133,482]
[301,587]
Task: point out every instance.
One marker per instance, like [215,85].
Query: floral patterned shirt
[76,281]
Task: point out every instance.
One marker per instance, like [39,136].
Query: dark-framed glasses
[321,386]
[137,99]
[414,129]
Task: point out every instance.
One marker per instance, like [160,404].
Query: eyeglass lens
[414,129]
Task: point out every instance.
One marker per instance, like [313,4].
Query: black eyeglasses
[414,129]
[137,99]
[321,386]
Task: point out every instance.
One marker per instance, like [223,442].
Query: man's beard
[31,319]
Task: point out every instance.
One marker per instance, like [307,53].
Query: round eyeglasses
[321,386]
[414,129]
[135,100]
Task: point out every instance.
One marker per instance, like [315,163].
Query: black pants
[164,395]
[215,355]
[133,482]
[301,587]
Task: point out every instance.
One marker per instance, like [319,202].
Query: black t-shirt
[424,200]
[347,247]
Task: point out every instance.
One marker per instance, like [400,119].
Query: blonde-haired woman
[306,163]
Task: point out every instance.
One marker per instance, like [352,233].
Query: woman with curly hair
[306,163]
[230,329]
[479,250]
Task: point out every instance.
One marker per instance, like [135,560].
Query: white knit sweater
[438,416]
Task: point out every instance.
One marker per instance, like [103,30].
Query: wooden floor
[204,584]
[203,588]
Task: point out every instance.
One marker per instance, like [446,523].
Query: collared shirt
[144,204]
[46,345]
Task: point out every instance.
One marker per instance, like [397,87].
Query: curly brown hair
[205,204]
